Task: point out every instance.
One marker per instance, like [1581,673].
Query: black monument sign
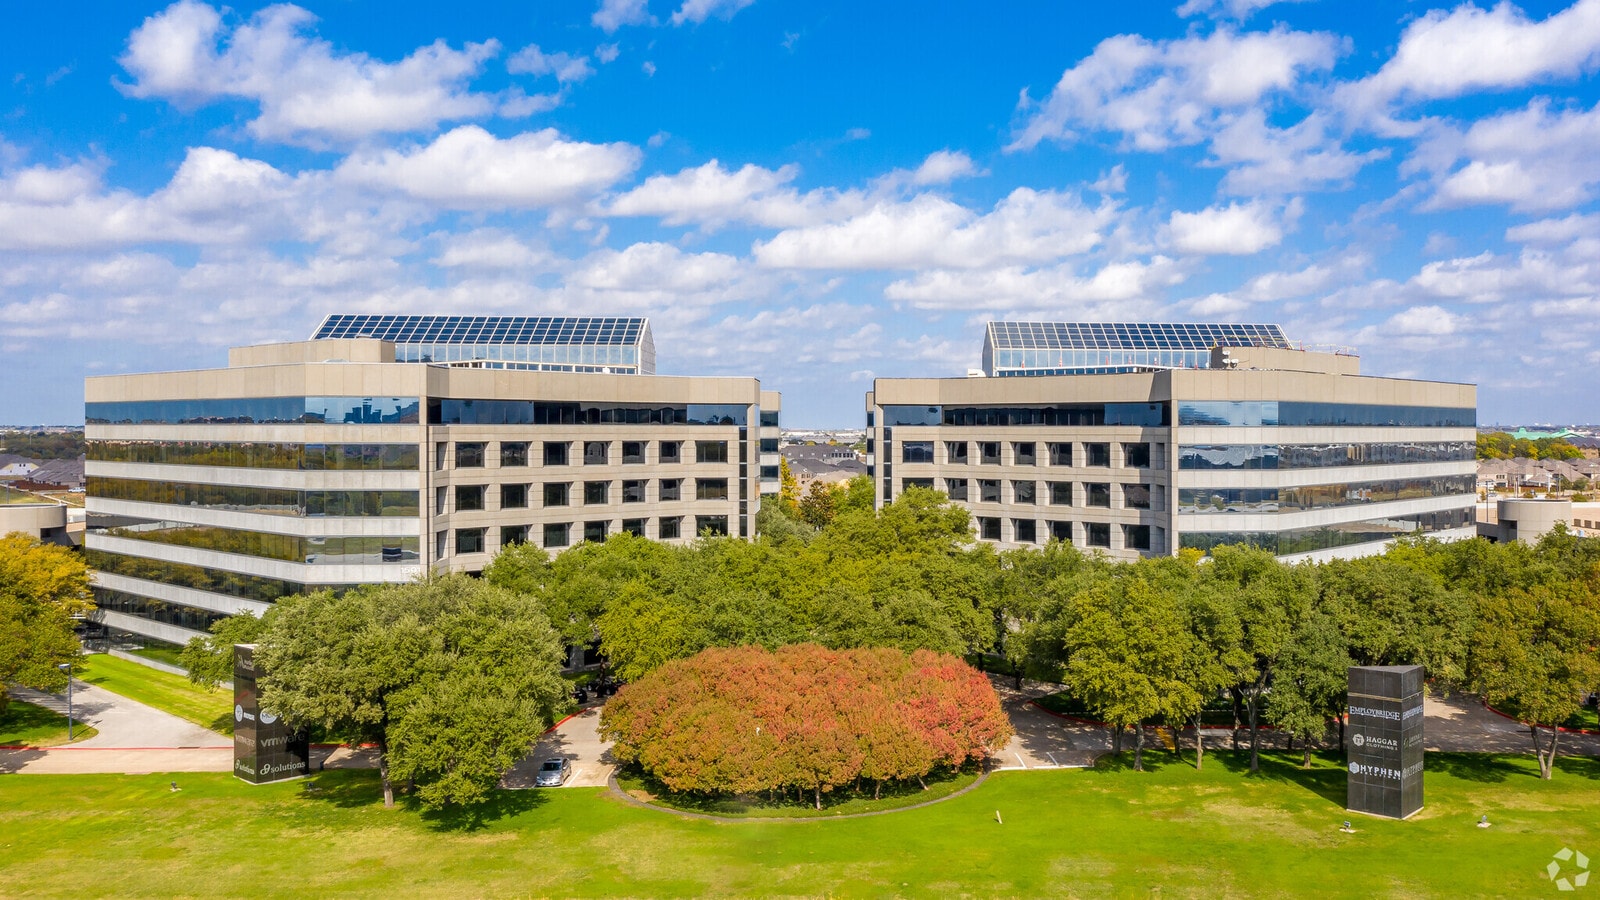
[1383,741]
[265,749]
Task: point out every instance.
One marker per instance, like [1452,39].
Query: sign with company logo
[1384,741]
[265,748]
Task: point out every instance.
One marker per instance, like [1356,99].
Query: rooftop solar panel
[1131,335]
[485,329]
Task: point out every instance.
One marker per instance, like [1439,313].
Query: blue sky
[813,193]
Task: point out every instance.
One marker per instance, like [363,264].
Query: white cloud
[1235,229]
[306,91]
[489,249]
[712,196]
[469,168]
[607,53]
[1447,54]
[1126,289]
[696,11]
[1158,94]
[1112,182]
[614,14]
[1556,231]
[1529,159]
[1423,320]
[943,167]
[1231,9]
[567,68]
[929,231]
[1268,160]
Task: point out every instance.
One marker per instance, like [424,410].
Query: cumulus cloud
[1263,159]
[1157,94]
[469,168]
[1468,49]
[1235,229]
[1531,159]
[1120,289]
[306,91]
[943,167]
[489,249]
[712,196]
[614,14]
[1231,9]
[928,231]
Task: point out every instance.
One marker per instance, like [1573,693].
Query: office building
[618,346]
[328,463]
[1281,448]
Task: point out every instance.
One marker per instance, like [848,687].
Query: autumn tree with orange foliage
[803,718]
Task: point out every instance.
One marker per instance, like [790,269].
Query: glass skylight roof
[584,330]
[1131,336]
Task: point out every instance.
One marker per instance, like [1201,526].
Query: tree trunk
[1199,745]
[1238,703]
[1138,746]
[1306,763]
[383,773]
[877,789]
[1546,760]
[921,782]
[1255,736]
[817,793]
[1116,738]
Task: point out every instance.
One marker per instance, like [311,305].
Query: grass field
[1101,832]
[841,802]
[211,709]
[26,725]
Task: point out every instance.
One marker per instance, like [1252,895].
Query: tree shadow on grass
[1579,766]
[1154,761]
[360,788]
[1483,768]
[1285,767]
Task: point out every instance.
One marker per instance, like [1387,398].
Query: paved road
[577,739]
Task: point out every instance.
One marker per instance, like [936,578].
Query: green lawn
[211,709]
[842,802]
[26,725]
[1101,832]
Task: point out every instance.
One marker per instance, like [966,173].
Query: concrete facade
[205,498]
[1144,463]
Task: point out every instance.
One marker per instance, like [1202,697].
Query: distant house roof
[65,472]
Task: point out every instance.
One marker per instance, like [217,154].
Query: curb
[1559,728]
[614,788]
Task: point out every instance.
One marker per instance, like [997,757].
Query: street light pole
[67,668]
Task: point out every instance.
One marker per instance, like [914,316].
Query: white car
[554,773]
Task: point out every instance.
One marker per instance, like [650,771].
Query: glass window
[1136,496]
[633,491]
[595,532]
[633,452]
[955,452]
[555,452]
[469,455]
[769,418]
[711,488]
[717,525]
[956,488]
[441,544]
[596,453]
[267,501]
[989,453]
[513,496]
[1023,491]
[1097,534]
[672,489]
[634,527]
[769,445]
[469,497]
[916,451]
[1023,453]
[557,534]
[1096,454]
[989,490]
[907,483]
[596,492]
[513,534]
[557,493]
[711,451]
[1136,537]
[513,453]
[1096,494]
[988,528]
[1061,454]
[911,415]
[469,540]
[671,451]
[441,498]
[1136,456]
[1025,531]
[1060,493]
[668,527]
[1061,531]
[441,452]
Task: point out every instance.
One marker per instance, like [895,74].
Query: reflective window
[989,453]
[906,483]
[1136,537]
[469,455]
[711,451]
[1136,456]
[1022,452]
[1096,534]
[154,610]
[633,452]
[557,494]
[1061,531]
[911,415]
[711,488]
[513,496]
[268,501]
[557,534]
[513,453]
[669,527]
[258,410]
[555,453]
[452,411]
[1097,454]
[634,527]
[596,453]
[1060,493]
[1022,491]
[200,578]
[595,532]
[1321,496]
[769,418]
[988,528]
[469,497]
[1025,531]
[1317,456]
[989,490]
[769,445]
[1305,540]
[1061,454]
[328,551]
[633,490]
[469,540]
[259,455]
[672,489]
[1136,496]
[1077,415]
[513,534]
[916,451]
[955,452]
[956,488]
[716,525]
[1097,495]
[1274,412]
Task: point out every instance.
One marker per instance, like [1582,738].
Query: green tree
[1309,688]
[1534,653]
[453,679]
[42,587]
[788,487]
[858,494]
[209,660]
[818,506]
